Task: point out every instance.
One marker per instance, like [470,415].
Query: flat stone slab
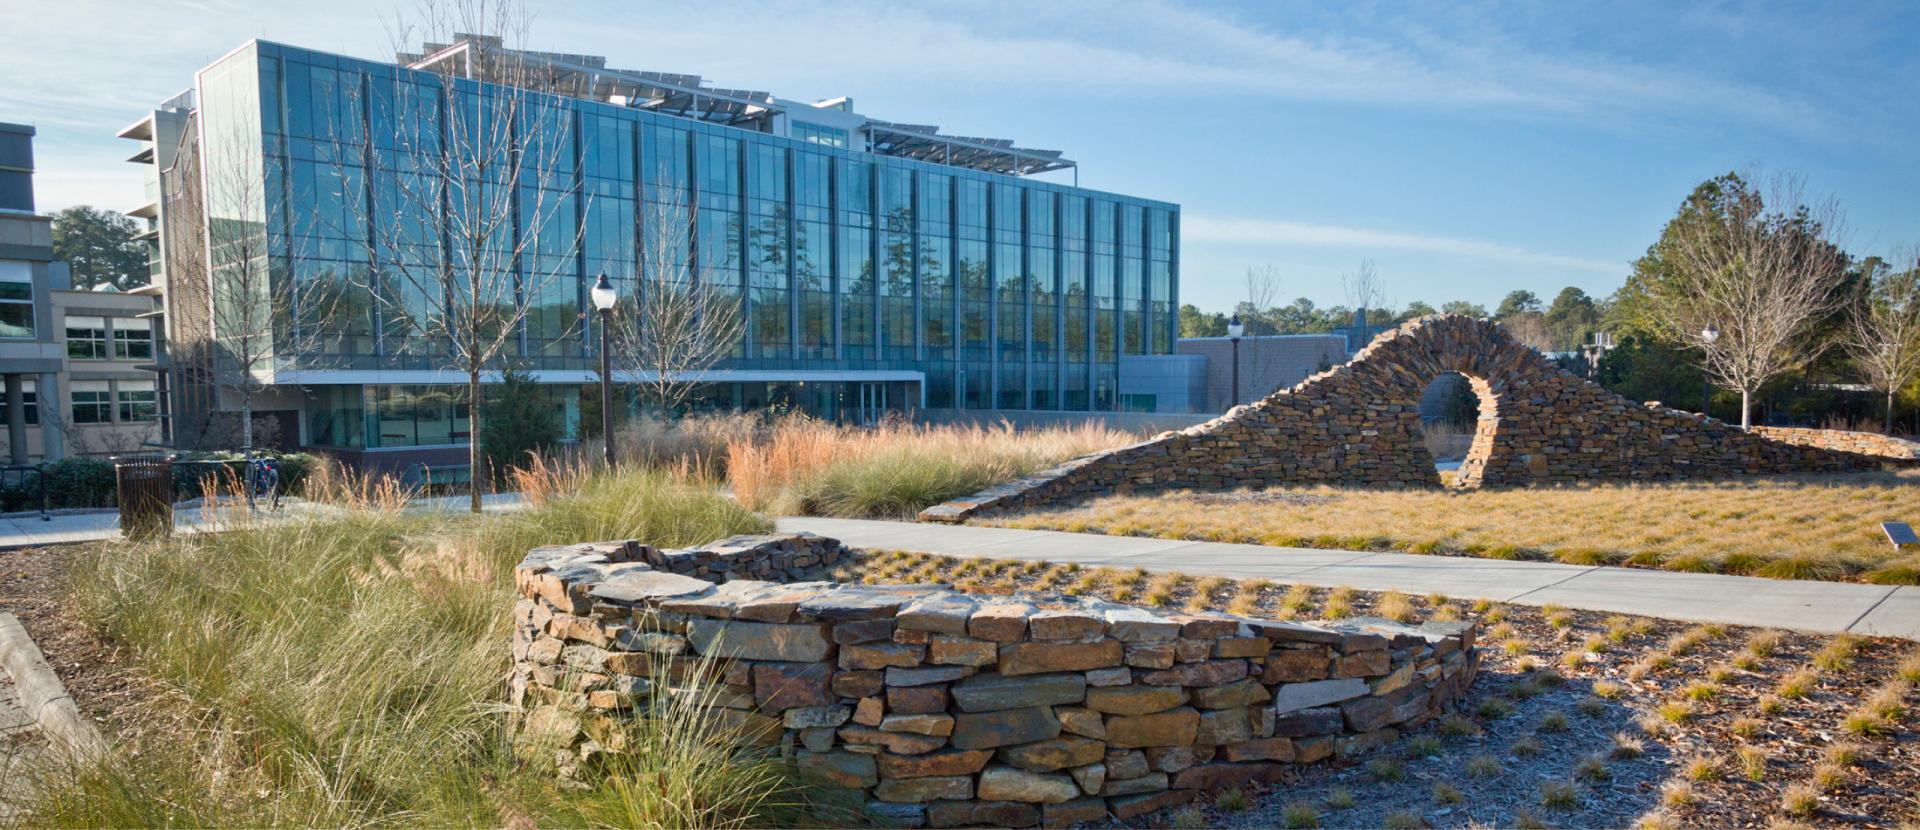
[646,585]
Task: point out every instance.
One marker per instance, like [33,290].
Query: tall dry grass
[895,469]
[1813,527]
[1445,441]
[351,672]
[694,442]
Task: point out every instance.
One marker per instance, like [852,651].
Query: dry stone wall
[1861,443]
[946,709]
[1359,424]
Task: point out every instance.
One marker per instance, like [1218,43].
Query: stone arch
[1480,428]
[1358,424]
[1389,376]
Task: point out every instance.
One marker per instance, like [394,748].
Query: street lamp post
[1707,335]
[603,299]
[1234,330]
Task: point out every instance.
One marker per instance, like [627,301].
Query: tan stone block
[940,725]
[1136,699]
[962,651]
[1037,658]
[1178,727]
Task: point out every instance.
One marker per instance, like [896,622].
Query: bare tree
[1364,287]
[472,235]
[1530,328]
[1882,333]
[253,318]
[1753,270]
[1263,288]
[675,325]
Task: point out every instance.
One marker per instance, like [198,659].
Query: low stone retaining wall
[947,709]
[1840,440]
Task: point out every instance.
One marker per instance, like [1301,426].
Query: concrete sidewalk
[1823,607]
[30,531]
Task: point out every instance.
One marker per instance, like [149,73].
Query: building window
[92,402]
[816,134]
[133,339]
[87,338]
[137,400]
[30,400]
[16,300]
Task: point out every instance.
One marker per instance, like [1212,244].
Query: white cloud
[89,66]
[1203,228]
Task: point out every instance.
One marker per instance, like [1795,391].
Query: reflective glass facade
[1007,292]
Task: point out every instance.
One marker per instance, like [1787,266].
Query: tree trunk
[1889,421]
[476,462]
[1746,411]
[246,421]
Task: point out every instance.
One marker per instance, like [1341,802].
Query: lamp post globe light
[1707,335]
[1234,331]
[603,299]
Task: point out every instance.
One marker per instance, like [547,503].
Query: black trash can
[144,484]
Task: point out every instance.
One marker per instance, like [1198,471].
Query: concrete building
[879,265]
[1267,363]
[76,365]
[30,354]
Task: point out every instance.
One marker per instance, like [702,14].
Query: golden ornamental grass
[807,466]
[1797,527]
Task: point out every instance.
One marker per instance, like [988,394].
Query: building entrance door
[873,402]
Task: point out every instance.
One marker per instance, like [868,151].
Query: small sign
[1900,534]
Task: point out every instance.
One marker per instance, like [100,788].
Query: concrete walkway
[1823,607]
[26,531]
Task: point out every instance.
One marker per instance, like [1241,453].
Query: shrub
[81,482]
[519,424]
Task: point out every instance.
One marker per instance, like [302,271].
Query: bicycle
[263,481]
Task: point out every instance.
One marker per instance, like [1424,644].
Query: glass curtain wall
[1006,292]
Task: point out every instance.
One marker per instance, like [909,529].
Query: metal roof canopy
[688,96]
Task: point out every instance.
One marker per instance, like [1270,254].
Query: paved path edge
[44,697]
[1799,605]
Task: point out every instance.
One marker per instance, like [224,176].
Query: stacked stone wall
[1848,441]
[946,709]
[1359,424]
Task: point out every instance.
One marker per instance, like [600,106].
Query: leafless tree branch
[1758,269]
[1882,334]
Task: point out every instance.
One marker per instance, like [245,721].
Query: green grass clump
[1340,798]
[347,672]
[1559,795]
[1385,769]
[1299,815]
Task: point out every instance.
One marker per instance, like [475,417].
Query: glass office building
[879,266]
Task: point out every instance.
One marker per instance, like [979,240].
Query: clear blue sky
[1466,149]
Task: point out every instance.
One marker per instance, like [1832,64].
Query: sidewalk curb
[43,696]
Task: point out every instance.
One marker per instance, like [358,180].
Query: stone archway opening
[1456,427]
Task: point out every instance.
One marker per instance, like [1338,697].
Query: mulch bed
[33,585]
[1599,736]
